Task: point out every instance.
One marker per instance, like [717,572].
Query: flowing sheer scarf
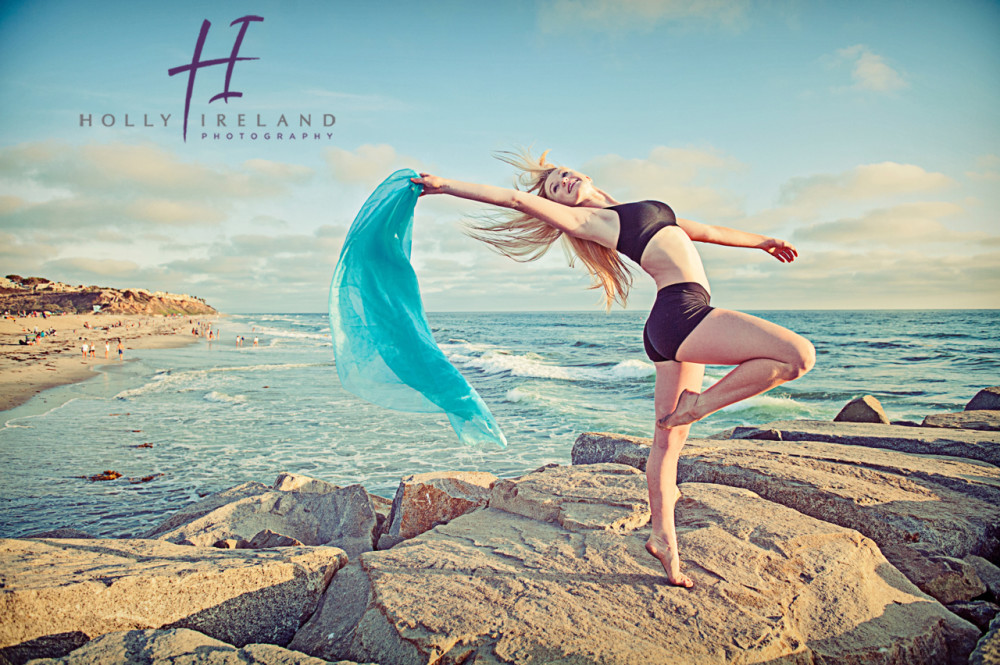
[382,343]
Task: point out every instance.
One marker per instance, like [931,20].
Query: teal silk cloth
[381,339]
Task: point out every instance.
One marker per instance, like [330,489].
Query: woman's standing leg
[661,468]
[765,355]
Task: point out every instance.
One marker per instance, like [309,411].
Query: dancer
[683,332]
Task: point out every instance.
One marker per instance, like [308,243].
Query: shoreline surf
[57,359]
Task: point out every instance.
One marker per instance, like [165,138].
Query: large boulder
[191,512]
[570,585]
[178,645]
[981,420]
[62,532]
[267,539]
[948,579]
[985,399]
[425,500]
[599,447]
[383,507]
[988,572]
[54,594]
[295,482]
[971,444]
[977,612]
[865,409]
[891,497]
[598,496]
[924,511]
[988,650]
[343,518]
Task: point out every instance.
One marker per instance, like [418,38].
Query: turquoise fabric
[382,342]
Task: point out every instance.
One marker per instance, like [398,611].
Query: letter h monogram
[197,63]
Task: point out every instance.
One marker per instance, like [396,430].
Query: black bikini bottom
[678,310]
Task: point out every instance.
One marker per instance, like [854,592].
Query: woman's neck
[599,199]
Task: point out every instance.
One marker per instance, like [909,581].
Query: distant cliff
[37,293]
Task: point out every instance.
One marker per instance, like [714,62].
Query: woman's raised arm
[567,219]
[720,235]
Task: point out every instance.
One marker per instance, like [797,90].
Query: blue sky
[865,133]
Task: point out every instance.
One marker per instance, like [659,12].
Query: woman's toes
[681,581]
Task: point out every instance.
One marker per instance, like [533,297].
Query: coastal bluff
[808,541]
[36,294]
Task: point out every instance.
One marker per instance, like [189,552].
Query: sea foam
[217,396]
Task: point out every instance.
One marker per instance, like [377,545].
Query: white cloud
[368,165]
[906,224]
[141,169]
[127,186]
[269,221]
[870,71]
[94,267]
[180,213]
[326,240]
[79,217]
[689,179]
[9,204]
[987,169]
[23,255]
[567,15]
[892,278]
[858,279]
[865,182]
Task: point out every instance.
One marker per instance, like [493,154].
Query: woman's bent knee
[804,360]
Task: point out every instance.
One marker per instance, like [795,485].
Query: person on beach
[86,349]
[683,332]
[121,349]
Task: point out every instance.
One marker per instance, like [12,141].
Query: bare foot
[671,564]
[683,413]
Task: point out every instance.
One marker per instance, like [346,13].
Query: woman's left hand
[780,249]
[432,184]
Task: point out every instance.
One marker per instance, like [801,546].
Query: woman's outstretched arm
[497,196]
[567,219]
[782,250]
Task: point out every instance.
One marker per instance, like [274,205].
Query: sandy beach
[57,359]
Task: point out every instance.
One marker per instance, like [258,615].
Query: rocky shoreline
[37,294]
[850,541]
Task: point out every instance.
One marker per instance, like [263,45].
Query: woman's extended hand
[779,249]
[432,183]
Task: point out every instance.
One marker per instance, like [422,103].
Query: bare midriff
[671,257]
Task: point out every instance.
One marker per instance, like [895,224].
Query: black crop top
[641,221]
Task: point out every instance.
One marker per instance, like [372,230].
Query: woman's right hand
[779,249]
[432,183]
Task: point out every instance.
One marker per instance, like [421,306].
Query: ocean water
[217,415]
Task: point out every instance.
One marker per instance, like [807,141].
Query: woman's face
[567,186]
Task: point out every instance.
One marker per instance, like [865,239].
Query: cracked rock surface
[179,646]
[56,594]
[549,573]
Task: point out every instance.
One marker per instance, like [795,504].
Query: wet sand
[26,370]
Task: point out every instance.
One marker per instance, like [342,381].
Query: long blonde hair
[524,238]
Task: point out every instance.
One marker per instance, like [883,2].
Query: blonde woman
[683,332]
